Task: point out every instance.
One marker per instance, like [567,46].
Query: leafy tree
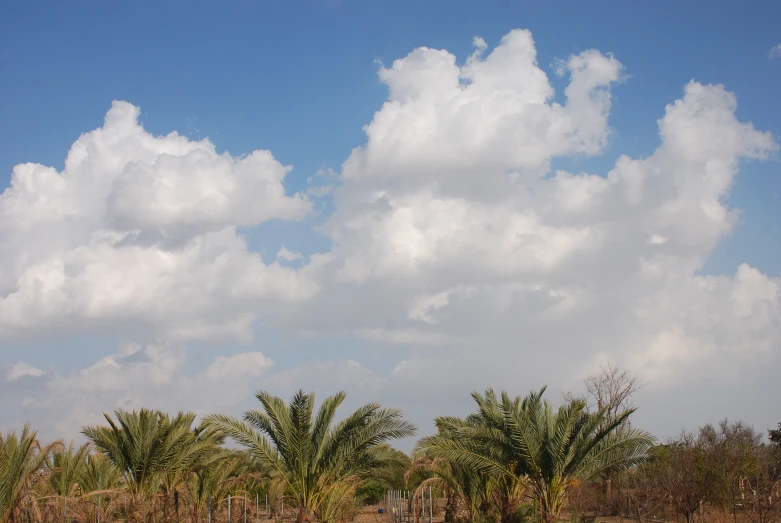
[775,435]
[730,453]
[526,440]
[312,456]
[681,470]
[371,492]
[761,488]
[21,459]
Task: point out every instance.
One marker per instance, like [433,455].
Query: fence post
[430,506]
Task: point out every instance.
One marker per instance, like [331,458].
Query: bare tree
[612,389]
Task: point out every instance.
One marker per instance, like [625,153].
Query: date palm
[213,478]
[66,464]
[147,446]
[22,459]
[313,456]
[480,492]
[462,486]
[99,482]
[551,450]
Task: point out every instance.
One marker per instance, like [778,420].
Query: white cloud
[238,366]
[656,239]
[775,52]
[443,122]
[21,369]
[288,255]
[449,238]
[457,255]
[154,376]
[141,229]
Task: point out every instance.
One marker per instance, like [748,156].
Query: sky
[405,200]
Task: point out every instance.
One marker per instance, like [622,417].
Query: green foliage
[371,492]
[147,445]
[775,435]
[66,467]
[308,452]
[526,440]
[21,459]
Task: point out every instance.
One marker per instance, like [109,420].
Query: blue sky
[300,78]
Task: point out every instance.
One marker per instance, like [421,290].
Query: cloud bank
[457,254]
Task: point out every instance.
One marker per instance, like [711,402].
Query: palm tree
[146,446]
[22,458]
[99,481]
[526,440]
[465,488]
[196,449]
[66,465]
[313,457]
[213,478]
[478,491]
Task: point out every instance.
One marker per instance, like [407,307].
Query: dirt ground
[369,515]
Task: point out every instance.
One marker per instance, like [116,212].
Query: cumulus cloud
[775,52]
[450,230]
[141,229]
[457,254]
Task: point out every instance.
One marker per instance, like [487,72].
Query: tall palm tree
[22,458]
[312,456]
[147,445]
[551,451]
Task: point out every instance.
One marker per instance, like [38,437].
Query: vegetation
[513,460]
[524,441]
[320,463]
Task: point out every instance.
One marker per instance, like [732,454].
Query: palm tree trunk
[303,514]
[507,508]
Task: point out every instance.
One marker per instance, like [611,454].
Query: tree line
[513,460]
